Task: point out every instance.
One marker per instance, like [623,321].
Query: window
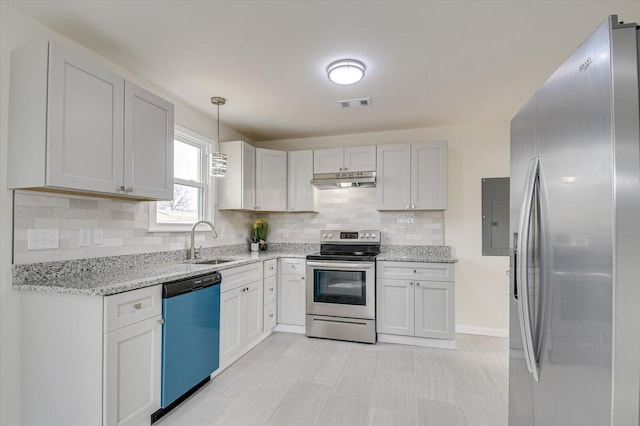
[192,189]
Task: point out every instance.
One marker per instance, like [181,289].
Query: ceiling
[429,63]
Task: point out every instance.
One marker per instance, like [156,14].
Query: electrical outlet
[84,239]
[285,233]
[41,239]
[98,236]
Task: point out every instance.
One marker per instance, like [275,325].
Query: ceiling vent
[353,103]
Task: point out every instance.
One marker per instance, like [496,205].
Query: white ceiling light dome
[346,71]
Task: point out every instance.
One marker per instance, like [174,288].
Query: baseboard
[288,328]
[417,341]
[482,331]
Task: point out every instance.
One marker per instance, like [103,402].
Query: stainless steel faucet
[192,251]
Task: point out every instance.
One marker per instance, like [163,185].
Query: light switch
[98,236]
[84,240]
[42,239]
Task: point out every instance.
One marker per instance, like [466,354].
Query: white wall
[476,151]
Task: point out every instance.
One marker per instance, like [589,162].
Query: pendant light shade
[218,164]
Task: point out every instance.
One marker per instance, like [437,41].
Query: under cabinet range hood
[344,180]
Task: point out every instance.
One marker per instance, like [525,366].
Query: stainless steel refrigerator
[575,227]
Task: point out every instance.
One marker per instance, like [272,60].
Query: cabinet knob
[138,306]
[302,278]
[270,315]
[271,289]
[120,188]
[417,284]
[413,206]
[408,207]
[128,190]
[415,272]
[411,283]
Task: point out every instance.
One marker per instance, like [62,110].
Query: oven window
[343,287]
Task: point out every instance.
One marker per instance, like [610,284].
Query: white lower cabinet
[241,311]
[415,299]
[292,292]
[91,360]
[132,374]
[270,290]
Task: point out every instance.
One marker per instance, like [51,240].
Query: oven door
[341,289]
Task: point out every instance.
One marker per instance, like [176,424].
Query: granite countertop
[98,281]
[427,254]
[111,275]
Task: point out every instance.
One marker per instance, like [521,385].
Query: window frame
[207,183]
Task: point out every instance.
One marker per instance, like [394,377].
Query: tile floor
[290,379]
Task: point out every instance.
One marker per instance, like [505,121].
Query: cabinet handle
[161,321]
[271,289]
[270,315]
[120,188]
[128,190]
[138,306]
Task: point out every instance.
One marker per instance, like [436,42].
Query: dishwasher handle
[183,286]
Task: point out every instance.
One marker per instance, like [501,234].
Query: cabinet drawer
[270,289]
[269,317]
[123,309]
[270,268]
[239,276]
[292,266]
[415,270]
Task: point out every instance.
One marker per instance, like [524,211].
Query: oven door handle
[341,265]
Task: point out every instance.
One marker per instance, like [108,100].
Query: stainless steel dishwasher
[190,337]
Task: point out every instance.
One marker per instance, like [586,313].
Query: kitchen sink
[213,261]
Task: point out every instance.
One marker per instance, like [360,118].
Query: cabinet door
[291,299]
[395,310]
[394,177]
[328,160]
[271,180]
[301,194]
[253,311]
[429,176]
[148,144]
[132,372]
[85,146]
[231,325]
[248,189]
[434,309]
[360,159]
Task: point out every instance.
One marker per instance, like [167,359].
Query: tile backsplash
[124,224]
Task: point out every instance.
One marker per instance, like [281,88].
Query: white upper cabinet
[349,159]
[412,176]
[302,196]
[148,163]
[75,126]
[256,178]
[271,180]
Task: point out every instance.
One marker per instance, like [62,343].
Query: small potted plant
[258,234]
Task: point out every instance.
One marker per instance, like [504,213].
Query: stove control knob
[330,235]
[324,235]
[374,235]
[361,235]
[367,235]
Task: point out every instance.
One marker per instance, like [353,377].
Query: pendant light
[218,165]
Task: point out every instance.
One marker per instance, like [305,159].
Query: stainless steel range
[341,286]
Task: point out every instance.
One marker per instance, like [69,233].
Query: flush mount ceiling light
[218,165]
[346,71]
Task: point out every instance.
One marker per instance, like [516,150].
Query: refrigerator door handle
[522,269]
